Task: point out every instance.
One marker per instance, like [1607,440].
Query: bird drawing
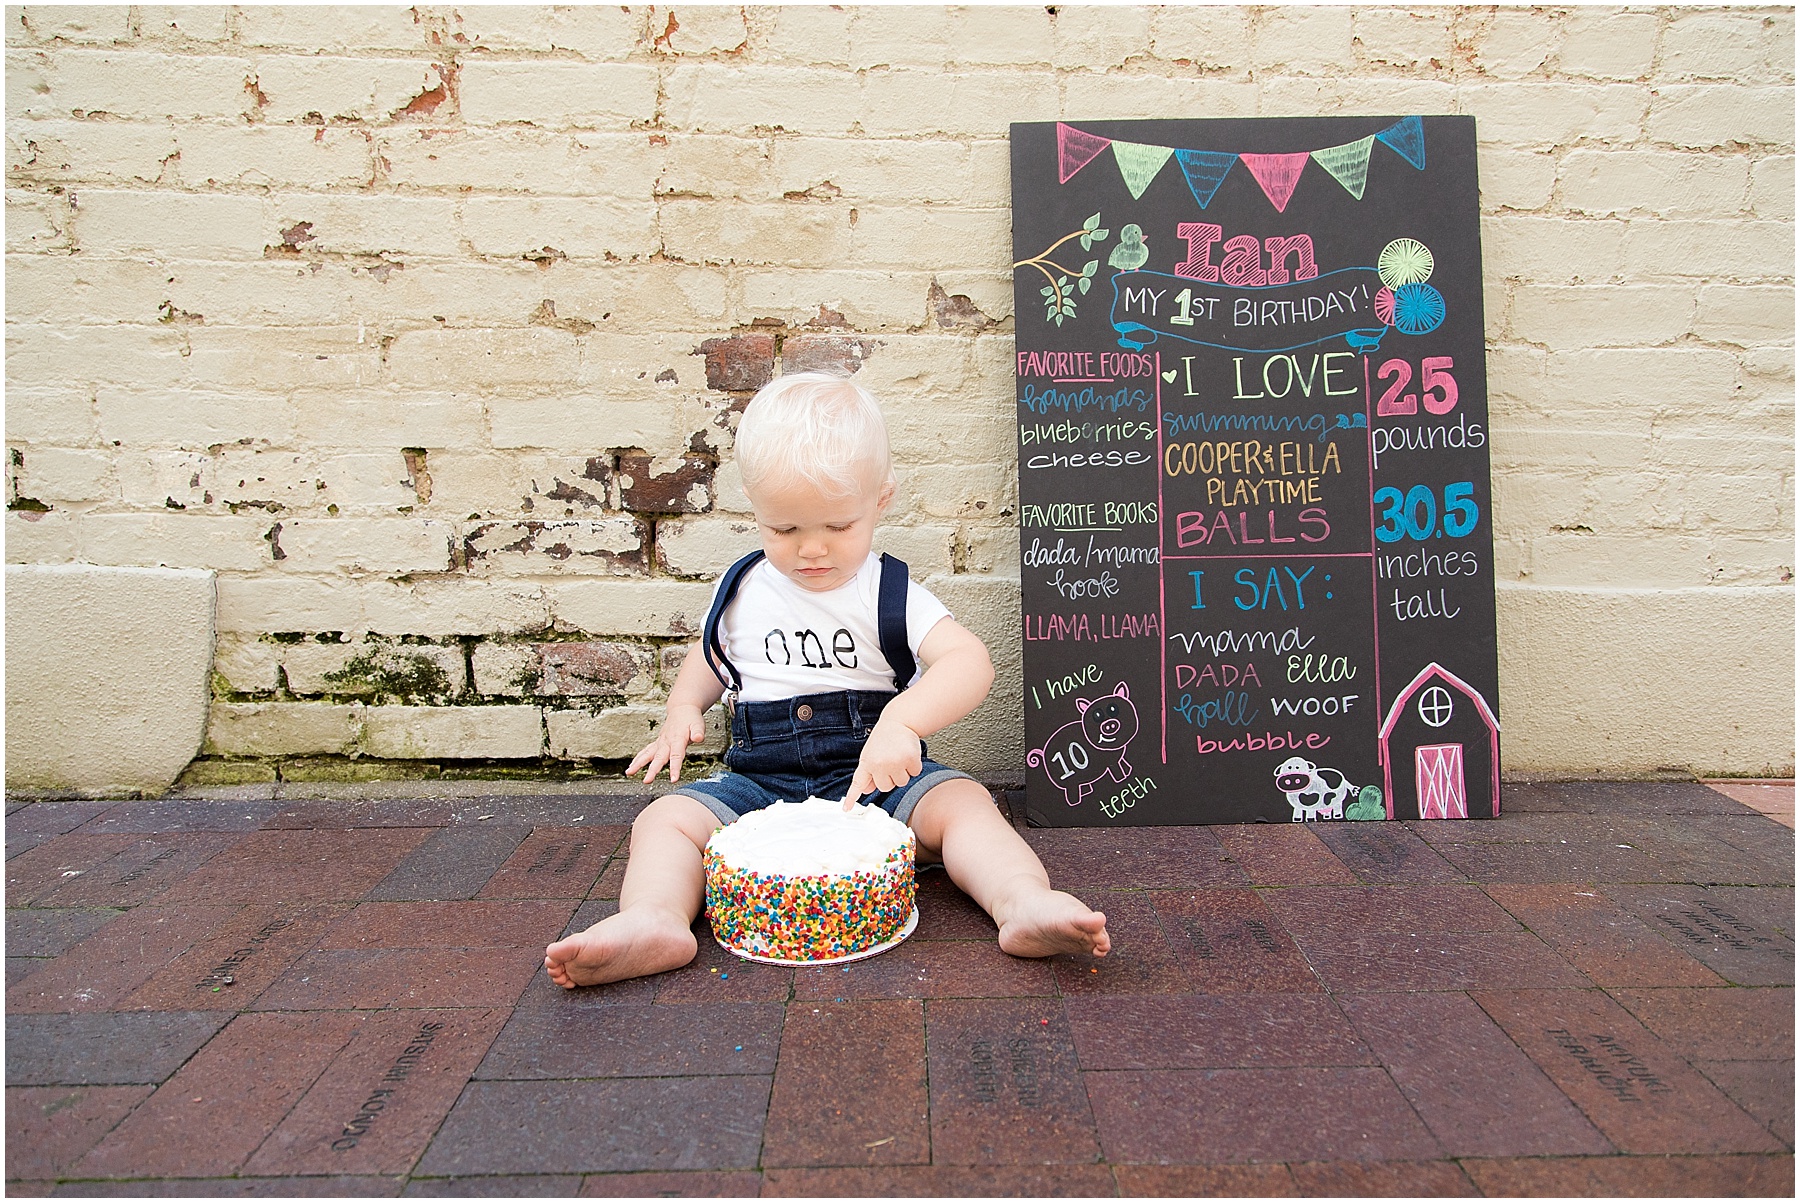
[1132,252]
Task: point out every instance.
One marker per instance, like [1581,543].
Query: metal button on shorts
[803,712]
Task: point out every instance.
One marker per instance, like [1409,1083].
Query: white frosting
[817,836]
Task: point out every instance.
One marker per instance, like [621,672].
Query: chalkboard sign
[1254,521]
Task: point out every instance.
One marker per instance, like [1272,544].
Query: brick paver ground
[253,995]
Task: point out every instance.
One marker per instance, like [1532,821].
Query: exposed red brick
[594,667]
[954,311]
[739,363]
[831,352]
[684,489]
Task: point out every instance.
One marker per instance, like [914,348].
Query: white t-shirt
[786,641]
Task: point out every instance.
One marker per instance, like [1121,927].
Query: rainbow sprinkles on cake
[810,882]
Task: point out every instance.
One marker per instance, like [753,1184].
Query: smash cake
[809,882]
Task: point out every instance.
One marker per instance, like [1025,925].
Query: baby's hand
[889,760]
[682,726]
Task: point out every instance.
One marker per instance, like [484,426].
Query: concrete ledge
[1631,682]
[106,675]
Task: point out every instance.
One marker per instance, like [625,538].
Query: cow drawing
[1313,792]
[1081,752]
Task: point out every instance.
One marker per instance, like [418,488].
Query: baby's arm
[696,688]
[958,674]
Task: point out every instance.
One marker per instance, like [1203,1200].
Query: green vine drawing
[1059,293]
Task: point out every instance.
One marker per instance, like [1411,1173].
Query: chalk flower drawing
[1058,294]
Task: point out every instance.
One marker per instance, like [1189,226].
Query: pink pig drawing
[1091,747]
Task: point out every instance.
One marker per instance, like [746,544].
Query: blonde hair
[820,428]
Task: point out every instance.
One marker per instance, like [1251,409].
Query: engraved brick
[245,1079]
[107,966]
[1479,1095]
[556,862]
[1634,1088]
[232,965]
[739,363]
[1005,1086]
[143,870]
[1230,941]
[1610,946]
[36,866]
[381,1099]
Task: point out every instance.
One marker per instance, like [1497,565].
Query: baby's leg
[662,893]
[958,822]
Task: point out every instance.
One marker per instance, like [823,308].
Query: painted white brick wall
[362,307]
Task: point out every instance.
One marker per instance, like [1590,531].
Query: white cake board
[912,922]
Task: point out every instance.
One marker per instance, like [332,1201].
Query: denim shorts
[806,747]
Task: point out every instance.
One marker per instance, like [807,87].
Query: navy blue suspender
[890,621]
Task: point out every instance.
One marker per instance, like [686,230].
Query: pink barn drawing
[1454,741]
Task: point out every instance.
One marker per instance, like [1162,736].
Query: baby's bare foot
[633,943]
[1047,922]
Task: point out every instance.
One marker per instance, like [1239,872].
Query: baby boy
[812,637]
